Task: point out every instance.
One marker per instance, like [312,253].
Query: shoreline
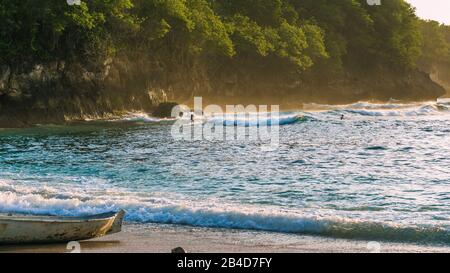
[159,238]
[15,122]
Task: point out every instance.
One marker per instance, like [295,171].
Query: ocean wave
[356,106]
[249,120]
[311,112]
[424,110]
[368,109]
[144,208]
[260,120]
[140,117]
[241,120]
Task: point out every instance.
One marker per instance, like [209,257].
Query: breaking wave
[311,112]
[260,120]
[382,110]
[157,208]
[226,120]
[141,117]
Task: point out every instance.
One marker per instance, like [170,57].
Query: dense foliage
[34,32]
[436,44]
[284,40]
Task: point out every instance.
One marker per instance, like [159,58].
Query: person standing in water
[342,117]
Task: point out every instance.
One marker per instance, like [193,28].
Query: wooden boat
[24,229]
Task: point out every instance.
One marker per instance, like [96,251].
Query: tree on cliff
[277,41]
[39,32]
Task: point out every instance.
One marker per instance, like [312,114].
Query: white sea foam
[364,109]
[381,110]
[263,119]
[141,117]
[80,200]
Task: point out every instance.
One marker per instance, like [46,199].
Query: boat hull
[35,229]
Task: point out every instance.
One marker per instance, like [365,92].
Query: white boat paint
[24,229]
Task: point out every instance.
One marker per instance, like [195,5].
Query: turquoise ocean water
[382,173]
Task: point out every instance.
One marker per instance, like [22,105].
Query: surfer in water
[192,116]
[342,117]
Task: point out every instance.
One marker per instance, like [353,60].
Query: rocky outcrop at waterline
[58,93]
[441,75]
[385,86]
[52,94]
[164,110]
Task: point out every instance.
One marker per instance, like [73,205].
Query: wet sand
[162,238]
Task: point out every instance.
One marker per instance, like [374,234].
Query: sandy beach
[151,238]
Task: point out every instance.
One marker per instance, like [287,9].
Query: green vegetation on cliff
[106,55]
[435,58]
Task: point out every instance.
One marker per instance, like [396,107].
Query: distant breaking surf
[311,112]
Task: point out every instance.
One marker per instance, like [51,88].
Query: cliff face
[51,94]
[100,58]
[441,75]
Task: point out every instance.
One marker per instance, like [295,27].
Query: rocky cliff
[55,94]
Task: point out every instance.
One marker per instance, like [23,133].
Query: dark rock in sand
[164,110]
[178,250]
